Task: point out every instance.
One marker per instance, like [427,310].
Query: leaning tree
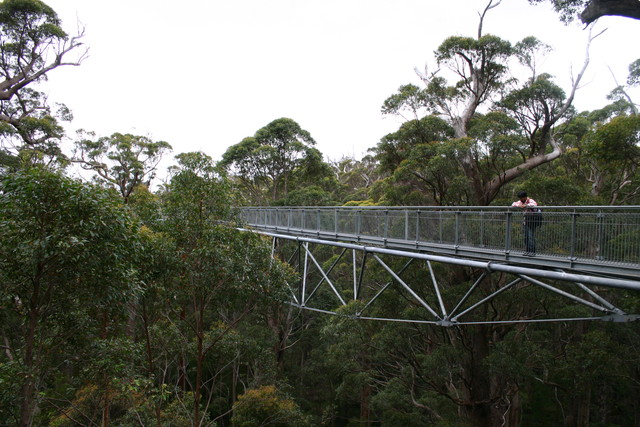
[478,106]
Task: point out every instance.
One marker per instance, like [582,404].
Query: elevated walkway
[591,246]
[595,239]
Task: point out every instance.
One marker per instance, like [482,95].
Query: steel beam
[535,276]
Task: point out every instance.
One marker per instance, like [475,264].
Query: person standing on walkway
[528,205]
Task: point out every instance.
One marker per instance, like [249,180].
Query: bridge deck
[595,239]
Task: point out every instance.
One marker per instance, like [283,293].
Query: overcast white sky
[204,74]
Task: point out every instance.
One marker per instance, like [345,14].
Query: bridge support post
[507,232]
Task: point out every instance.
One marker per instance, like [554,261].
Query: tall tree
[356,177]
[33,44]
[613,153]
[621,92]
[123,161]
[480,65]
[269,161]
[30,131]
[223,273]
[65,261]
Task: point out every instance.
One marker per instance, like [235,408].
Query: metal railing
[589,234]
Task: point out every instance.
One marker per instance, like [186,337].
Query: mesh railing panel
[601,233]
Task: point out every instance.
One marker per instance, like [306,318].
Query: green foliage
[266,406]
[196,202]
[396,408]
[527,49]
[395,147]
[66,249]
[33,128]
[26,24]
[51,222]
[355,178]
[279,156]
[122,161]
[409,98]
[550,189]
[10,372]
[634,73]
[307,196]
[568,9]
[218,277]
[197,193]
[33,43]
[483,58]
[146,206]
[360,203]
[486,48]
[162,313]
[617,141]
[490,149]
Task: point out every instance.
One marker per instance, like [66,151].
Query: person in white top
[528,205]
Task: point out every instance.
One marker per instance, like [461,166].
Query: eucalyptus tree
[421,164]
[222,275]
[491,130]
[356,178]
[30,130]
[488,158]
[122,161]
[601,156]
[612,151]
[277,155]
[621,92]
[66,265]
[33,44]
[634,73]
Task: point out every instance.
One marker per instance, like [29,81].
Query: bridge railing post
[457,230]
[386,224]
[406,224]
[600,233]
[509,227]
[303,218]
[482,241]
[574,234]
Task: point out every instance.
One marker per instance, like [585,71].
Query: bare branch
[576,81]
[489,6]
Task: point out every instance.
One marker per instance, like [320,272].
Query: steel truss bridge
[588,257]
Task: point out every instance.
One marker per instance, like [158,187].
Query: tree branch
[598,8]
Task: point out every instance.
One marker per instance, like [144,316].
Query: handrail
[449,208]
[585,235]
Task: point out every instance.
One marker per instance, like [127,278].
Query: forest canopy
[127,300]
